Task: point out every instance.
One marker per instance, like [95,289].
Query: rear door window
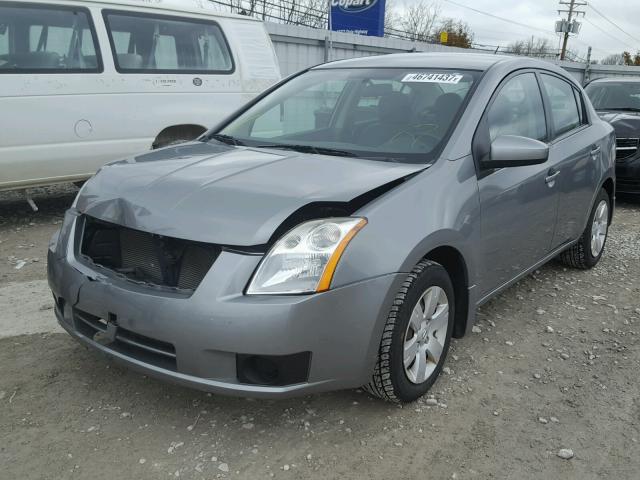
[564,109]
[47,39]
[144,43]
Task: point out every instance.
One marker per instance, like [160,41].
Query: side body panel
[578,161]
[518,211]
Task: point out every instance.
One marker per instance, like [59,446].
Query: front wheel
[586,253]
[416,336]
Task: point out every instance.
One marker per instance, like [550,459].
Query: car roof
[171,6]
[624,79]
[457,60]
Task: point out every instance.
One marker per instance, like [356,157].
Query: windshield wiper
[228,139]
[623,109]
[310,149]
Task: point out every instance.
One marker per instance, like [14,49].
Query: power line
[481,12]
[607,33]
[612,22]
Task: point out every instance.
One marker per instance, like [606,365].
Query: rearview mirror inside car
[515,151]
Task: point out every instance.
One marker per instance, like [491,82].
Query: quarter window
[564,109]
[152,43]
[46,39]
[518,110]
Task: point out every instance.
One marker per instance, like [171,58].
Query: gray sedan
[340,229]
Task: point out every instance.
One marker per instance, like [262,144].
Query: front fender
[437,207]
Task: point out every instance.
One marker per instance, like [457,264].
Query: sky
[540,16]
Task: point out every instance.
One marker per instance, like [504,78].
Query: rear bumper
[198,341]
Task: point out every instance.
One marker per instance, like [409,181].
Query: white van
[86,82]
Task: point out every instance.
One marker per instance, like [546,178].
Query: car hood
[215,193]
[626,124]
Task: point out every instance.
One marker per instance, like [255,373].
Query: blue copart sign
[364,17]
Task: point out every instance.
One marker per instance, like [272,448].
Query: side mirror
[515,151]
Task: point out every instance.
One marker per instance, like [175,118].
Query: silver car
[339,230]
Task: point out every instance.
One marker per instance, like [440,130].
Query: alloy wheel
[426,335]
[599,228]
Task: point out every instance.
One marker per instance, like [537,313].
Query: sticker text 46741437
[433,77]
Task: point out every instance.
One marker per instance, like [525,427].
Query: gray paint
[517,151]
[230,196]
[504,224]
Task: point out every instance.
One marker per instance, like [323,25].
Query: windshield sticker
[433,77]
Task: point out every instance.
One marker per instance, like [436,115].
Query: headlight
[305,259]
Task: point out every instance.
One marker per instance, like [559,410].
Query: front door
[518,204]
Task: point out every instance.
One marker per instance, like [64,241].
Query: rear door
[574,152]
[518,204]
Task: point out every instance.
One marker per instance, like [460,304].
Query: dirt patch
[554,366]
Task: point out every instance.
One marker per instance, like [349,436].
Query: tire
[581,255]
[391,379]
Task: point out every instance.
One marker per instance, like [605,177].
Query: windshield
[615,96]
[399,115]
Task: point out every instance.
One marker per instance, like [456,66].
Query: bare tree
[613,59]
[419,20]
[392,18]
[312,13]
[532,47]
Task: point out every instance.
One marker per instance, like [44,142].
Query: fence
[299,47]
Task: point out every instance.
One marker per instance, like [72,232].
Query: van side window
[564,109]
[47,39]
[144,43]
[517,110]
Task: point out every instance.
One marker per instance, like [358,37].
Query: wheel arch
[186,131]
[610,187]
[454,263]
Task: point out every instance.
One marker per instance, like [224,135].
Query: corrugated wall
[299,47]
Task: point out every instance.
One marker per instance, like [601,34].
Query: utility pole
[569,27]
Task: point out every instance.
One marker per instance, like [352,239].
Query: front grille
[126,342]
[146,258]
[626,147]
[628,186]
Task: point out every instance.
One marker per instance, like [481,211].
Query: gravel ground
[550,373]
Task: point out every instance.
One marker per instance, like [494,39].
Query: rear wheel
[416,336]
[586,253]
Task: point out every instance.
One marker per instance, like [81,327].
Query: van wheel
[587,252]
[416,336]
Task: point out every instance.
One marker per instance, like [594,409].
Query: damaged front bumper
[219,339]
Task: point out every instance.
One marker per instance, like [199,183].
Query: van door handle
[595,150]
[550,179]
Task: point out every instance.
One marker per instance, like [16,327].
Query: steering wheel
[417,137]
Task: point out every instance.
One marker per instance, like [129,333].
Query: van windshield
[392,114]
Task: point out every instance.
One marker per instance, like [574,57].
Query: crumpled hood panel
[226,195]
[626,124]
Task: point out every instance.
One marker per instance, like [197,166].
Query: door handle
[551,177]
[595,150]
